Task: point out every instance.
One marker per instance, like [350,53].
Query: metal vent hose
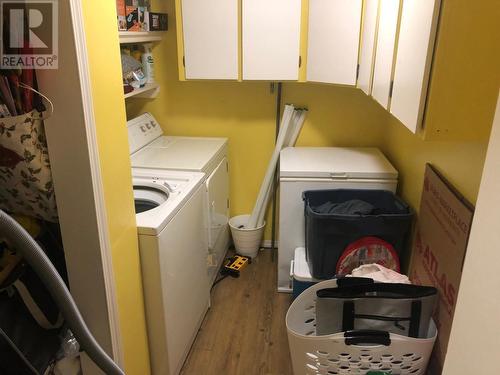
[25,245]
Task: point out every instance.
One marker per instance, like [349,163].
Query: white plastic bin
[330,354]
[300,274]
[246,241]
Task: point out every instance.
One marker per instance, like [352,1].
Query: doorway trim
[74,155]
[95,168]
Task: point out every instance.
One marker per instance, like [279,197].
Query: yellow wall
[460,162]
[109,109]
[466,72]
[461,99]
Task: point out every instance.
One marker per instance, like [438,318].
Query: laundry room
[251,187]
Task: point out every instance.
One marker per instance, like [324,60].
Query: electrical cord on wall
[26,246]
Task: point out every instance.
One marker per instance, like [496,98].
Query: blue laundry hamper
[327,235]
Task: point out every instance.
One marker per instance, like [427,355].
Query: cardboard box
[438,254]
[133,15]
[121,15]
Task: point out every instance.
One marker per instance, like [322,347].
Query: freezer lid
[179,153]
[336,163]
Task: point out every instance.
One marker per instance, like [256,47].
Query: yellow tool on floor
[234,265]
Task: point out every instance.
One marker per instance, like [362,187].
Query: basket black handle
[353,281]
[367,336]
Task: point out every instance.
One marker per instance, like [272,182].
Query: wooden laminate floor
[244,331]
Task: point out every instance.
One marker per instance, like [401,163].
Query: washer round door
[148,197]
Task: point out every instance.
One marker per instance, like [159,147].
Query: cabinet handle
[300,61]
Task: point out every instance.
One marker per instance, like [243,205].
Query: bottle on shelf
[148,63]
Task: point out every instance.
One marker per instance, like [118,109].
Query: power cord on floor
[222,277]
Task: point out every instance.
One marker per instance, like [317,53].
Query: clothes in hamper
[351,207]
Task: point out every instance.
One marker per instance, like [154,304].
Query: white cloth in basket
[379,274]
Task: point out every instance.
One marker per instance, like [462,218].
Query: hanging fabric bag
[26,185]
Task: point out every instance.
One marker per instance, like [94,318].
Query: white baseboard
[267,244]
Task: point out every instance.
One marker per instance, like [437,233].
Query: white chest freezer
[317,168]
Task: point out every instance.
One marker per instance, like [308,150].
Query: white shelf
[149,91]
[130,37]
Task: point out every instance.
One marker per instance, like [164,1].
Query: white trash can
[246,241]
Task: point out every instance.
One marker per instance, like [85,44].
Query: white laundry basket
[336,354]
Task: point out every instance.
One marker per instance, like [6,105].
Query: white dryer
[151,149]
[172,245]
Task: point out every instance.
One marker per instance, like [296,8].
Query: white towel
[380,274]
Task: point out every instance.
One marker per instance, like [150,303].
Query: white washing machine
[172,244]
[317,168]
[149,148]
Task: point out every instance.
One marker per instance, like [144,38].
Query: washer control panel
[142,130]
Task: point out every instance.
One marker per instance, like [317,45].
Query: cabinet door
[367,50]
[384,55]
[210,31]
[415,48]
[333,41]
[271,39]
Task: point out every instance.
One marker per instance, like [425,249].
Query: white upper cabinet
[415,48]
[271,39]
[384,54]
[367,49]
[210,33]
[333,41]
